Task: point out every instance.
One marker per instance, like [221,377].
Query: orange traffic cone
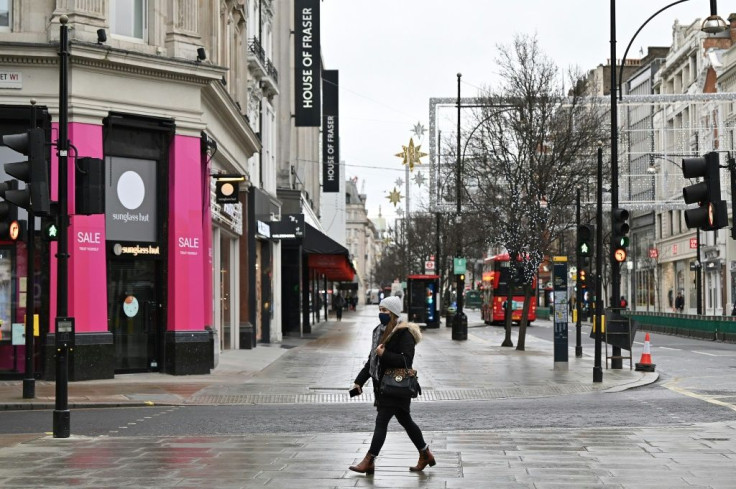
[645,364]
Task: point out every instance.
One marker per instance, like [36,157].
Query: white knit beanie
[393,304]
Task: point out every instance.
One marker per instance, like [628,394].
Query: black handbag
[400,382]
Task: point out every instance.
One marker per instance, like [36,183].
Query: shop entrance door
[133,309]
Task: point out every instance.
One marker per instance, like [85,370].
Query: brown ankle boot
[425,458]
[366,466]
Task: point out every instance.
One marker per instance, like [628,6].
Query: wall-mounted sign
[307,64]
[130,199]
[136,250]
[264,230]
[291,226]
[11,79]
[330,132]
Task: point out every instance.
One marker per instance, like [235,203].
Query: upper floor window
[128,18]
[5,15]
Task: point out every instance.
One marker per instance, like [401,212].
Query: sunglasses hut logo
[131,191]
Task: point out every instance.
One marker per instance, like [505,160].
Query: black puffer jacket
[401,342]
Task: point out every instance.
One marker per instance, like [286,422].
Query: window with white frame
[6,15]
[129,18]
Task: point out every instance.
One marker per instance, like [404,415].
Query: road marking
[668,348]
[671,386]
[704,353]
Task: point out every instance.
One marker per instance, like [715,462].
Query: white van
[371,297]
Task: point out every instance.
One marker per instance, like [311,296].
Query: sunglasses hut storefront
[137,287]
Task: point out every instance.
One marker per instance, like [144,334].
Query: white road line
[668,348]
[704,353]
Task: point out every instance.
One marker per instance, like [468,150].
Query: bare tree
[529,153]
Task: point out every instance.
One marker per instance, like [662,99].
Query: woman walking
[392,347]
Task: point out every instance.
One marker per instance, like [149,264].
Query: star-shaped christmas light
[418,130]
[394,197]
[411,155]
[399,182]
[419,179]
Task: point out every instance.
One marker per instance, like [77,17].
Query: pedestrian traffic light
[585,240]
[34,171]
[8,213]
[711,213]
[620,234]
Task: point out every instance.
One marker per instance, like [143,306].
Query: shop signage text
[307,63]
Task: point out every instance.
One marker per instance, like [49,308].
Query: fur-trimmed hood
[413,328]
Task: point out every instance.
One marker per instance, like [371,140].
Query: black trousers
[404,418]
[338,312]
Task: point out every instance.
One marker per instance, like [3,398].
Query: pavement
[318,369]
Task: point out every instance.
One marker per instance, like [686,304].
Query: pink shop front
[139,287]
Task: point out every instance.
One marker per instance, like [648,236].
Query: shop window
[6,17]
[128,18]
[7,297]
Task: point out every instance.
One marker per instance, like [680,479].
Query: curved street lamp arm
[623,61]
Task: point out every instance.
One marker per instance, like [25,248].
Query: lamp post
[460,321]
[711,25]
[597,369]
[578,287]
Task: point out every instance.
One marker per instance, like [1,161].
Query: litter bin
[247,336]
[460,326]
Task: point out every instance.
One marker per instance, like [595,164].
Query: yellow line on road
[670,385]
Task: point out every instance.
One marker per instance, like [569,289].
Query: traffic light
[9,227]
[583,276]
[711,213]
[585,240]
[619,234]
[34,171]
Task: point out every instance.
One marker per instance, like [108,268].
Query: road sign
[429,265]
[459,266]
[653,253]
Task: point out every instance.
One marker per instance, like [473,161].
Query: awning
[326,256]
[335,267]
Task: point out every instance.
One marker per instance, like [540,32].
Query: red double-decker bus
[497,279]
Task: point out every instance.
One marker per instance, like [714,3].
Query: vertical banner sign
[559,283]
[330,133]
[307,63]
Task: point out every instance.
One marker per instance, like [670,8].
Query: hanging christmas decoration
[419,179]
[411,155]
[418,130]
[399,182]
[394,197]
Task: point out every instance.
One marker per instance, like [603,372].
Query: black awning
[317,242]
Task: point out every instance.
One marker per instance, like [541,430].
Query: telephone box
[422,303]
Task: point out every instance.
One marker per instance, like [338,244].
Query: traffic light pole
[597,368]
[61,410]
[29,381]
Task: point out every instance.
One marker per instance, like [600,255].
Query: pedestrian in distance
[679,302]
[338,302]
[392,346]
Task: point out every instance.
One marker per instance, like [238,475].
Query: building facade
[170,95]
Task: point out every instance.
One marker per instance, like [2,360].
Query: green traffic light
[623,241]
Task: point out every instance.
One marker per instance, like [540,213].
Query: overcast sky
[394,55]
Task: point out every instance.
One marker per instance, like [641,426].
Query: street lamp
[460,321]
[711,25]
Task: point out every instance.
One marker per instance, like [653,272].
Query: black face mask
[384,317]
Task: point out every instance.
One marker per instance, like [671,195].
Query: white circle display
[131,190]
[130,306]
